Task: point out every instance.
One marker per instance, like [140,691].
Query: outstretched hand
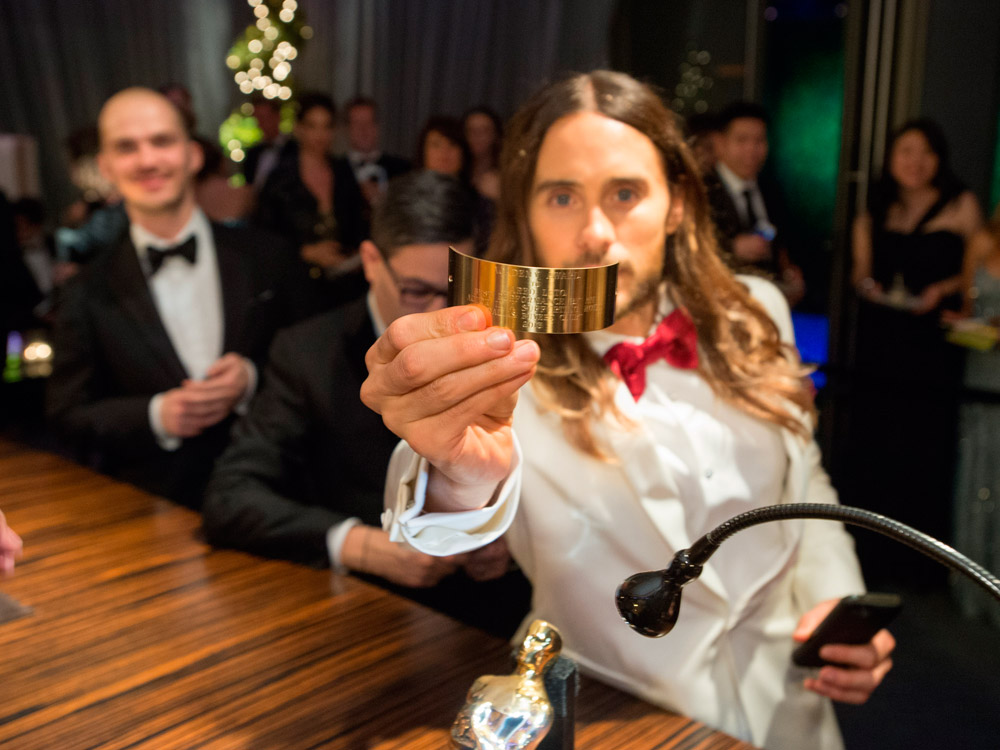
[446,382]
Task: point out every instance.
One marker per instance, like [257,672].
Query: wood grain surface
[142,636]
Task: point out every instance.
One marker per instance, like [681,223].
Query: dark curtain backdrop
[62,58]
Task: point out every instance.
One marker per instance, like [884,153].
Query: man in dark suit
[156,340]
[304,476]
[748,213]
[264,155]
[365,165]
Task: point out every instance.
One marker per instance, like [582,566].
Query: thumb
[812,618]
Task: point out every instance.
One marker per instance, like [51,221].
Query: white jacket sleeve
[443,534]
[827,566]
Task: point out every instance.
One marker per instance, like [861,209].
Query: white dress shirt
[366,167]
[188,298]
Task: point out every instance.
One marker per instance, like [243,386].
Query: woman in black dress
[304,201]
[908,251]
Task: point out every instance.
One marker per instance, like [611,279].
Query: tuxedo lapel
[234,283]
[127,284]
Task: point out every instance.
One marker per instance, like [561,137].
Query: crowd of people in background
[295,186]
[209,337]
[908,249]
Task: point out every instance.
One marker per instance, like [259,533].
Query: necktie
[156,255]
[674,340]
[752,217]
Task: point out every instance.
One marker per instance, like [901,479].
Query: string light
[694,82]
[261,61]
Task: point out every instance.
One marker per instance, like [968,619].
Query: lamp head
[650,602]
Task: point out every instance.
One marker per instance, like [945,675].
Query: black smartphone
[854,620]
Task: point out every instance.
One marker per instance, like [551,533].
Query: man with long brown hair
[618,469]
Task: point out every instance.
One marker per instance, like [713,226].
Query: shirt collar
[143,238]
[735,184]
[601,341]
[359,157]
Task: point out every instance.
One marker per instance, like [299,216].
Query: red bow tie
[674,340]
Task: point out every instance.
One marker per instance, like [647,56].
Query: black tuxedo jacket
[309,454]
[728,222]
[112,354]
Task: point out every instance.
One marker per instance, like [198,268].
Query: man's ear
[102,166]
[196,156]
[675,215]
[371,259]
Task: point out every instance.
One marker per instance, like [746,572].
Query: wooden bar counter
[142,636]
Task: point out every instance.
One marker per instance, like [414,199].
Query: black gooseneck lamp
[650,602]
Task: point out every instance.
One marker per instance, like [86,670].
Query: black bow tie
[156,255]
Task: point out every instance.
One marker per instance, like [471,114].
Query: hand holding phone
[855,620]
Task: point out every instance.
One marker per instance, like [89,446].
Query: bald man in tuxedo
[157,342]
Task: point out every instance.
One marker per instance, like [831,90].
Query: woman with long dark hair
[441,147]
[908,248]
[484,134]
[908,254]
[304,201]
[597,475]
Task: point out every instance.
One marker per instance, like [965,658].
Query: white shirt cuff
[164,439]
[244,403]
[442,534]
[335,537]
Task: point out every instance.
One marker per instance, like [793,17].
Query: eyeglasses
[414,293]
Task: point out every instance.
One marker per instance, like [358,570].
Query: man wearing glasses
[303,477]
